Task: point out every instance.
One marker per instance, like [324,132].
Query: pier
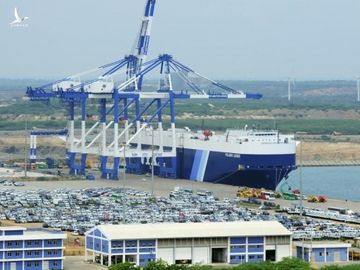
[329,163]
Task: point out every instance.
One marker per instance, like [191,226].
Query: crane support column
[160,127]
[32,149]
[77,169]
[112,173]
[135,165]
[168,167]
[103,156]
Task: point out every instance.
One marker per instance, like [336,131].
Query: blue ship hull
[258,171]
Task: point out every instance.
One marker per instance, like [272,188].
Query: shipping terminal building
[188,243]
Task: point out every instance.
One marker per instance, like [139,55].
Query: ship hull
[258,171]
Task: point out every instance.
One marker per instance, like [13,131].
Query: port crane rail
[127,104]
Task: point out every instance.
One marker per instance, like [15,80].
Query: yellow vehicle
[89,164]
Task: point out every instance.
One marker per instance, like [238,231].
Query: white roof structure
[192,230]
[12,228]
[31,234]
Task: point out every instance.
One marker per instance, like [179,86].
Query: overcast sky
[224,39]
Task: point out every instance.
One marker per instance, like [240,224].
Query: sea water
[334,182]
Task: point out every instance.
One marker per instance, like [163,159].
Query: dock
[329,163]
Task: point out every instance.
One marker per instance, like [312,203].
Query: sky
[223,39]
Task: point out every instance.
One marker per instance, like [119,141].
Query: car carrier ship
[246,157]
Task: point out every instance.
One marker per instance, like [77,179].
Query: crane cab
[65,85]
[100,87]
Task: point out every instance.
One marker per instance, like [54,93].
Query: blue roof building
[31,249]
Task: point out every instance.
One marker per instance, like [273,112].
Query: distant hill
[15,88]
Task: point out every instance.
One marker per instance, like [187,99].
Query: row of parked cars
[10,183]
[79,210]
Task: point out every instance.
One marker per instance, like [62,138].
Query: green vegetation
[313,126]
[20,125]
[318,96]
[285,264]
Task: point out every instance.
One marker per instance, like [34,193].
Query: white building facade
[188,243]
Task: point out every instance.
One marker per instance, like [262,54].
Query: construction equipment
[89,164]
[317,199]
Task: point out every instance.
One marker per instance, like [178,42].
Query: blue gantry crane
[33,140]
[126,110]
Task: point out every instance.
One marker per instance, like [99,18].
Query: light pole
[123,189]
[358,89]
[25,149]
[152,162]
[301,180]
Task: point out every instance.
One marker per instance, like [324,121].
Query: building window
[282,240]
[37,252]
[9,244]
[17,243]
[17,253]
[37,242]
[37,264]
[321,254]
[55,263]
[28,243]
[28,264]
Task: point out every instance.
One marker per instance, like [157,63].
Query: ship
[243,157]
[247,157]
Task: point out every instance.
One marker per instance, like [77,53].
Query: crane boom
[145,32]
[142,46]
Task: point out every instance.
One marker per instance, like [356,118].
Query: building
[188,243]
[31,249]
[323,252]
[357,242]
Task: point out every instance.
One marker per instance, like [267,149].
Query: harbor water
[334,182]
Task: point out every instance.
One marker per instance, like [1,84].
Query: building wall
[31,254]
[197,250]
[339,254]
[246,249]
